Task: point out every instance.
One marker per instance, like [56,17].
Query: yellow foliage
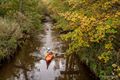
[109,46]
[104,57]
[114,65]
[116,69]
[91,22]
[118,74]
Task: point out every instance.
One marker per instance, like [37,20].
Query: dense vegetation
[91,29]
[18,19]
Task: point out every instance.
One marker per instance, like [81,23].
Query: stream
[27,67]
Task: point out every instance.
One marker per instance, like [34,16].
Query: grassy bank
[19,19]
[91,29]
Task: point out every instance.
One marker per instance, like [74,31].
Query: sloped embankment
[19,20]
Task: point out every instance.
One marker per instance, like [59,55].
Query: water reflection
[49,41]
[53,71]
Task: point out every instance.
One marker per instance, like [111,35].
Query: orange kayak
[49,58]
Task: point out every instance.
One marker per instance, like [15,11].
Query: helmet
[48,49]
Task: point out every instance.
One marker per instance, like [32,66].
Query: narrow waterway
[27,67]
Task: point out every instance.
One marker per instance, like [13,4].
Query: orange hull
[48,59]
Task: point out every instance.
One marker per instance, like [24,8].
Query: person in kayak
[48,58]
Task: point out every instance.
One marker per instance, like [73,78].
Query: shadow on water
[26,66]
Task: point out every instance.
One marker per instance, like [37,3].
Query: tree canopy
[91,29]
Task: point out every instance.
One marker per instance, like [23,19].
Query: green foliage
[94,26]
[18,18]
[10,33]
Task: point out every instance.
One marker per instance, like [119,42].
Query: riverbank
[21,61]
[11,41]
[18,22]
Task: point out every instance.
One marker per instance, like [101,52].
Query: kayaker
[49,56]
